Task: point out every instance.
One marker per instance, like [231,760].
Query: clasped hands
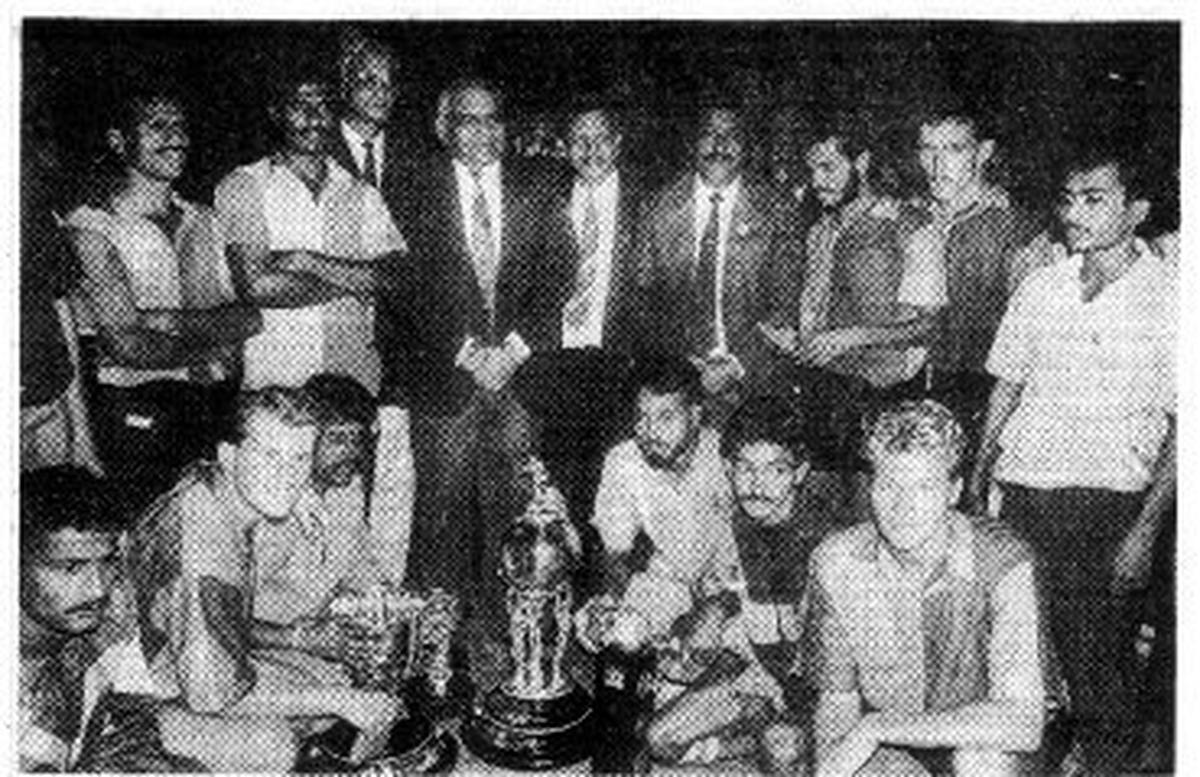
[818,350]
[491,367]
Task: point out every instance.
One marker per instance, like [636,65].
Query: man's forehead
[1099,179]
[475,101]
[591,124]
[829,149]
[163,107]
[270,431]
[721,120]
[308,92]
[650,400]
[76,544]
[948,132]
[763,451]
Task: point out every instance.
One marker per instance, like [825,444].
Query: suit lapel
[680,228]
[342,154]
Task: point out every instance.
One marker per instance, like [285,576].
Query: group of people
[876,470]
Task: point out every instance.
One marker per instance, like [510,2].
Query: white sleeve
[616,517]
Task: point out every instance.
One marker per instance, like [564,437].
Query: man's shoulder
[191,502]
[623,457]
[241,180]
[838,553]
[669,197]
[996,547]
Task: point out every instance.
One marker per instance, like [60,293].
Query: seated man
[85,695]
[759,619]
[193,567]
[325,545]
[929,653]
[662,509]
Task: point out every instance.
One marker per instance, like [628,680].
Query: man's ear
[956,489]
[985,151]
[801,472]
[696,412]
[862,163]
[1136,213]
[115,141]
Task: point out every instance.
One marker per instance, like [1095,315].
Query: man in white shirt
[709,242]
[305,241]
[1081,431]
[663,507]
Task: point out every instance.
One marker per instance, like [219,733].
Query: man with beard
[758,621]
[662,508]
[1081,431]
[709,245]
[86,700]
[306,241]
[156,292]
[326,544]
[853,318]
[245,689]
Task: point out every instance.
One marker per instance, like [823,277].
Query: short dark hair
[613,115]
[916,425]
[293,406]
[710,105]
[287,79]
[848,128]
[130,108]
[767,419]
[67,497]
[339,398]
[943,108]
[1092,154]
[667,374]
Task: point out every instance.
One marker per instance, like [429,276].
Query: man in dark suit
[364,143]
[482,293]
[715,269]
[576,390]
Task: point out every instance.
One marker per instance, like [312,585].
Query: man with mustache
[156,294]
[306,242]
[79,661]
[662,508]
[758,619]
[710,243]
[1081,430]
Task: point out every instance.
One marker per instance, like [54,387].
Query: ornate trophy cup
[539,718]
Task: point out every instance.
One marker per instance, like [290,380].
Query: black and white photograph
[420,392]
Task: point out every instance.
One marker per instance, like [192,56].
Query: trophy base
[530,734]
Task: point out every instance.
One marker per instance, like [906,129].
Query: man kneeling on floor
[929,652]
[741,638]
[256,686]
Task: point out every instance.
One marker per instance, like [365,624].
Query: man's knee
[985,763]
[230,744]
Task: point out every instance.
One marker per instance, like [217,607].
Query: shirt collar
[986,197]
[489,176]
[356,140]
[729,194]
[603,191]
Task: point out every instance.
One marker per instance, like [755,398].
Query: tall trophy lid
[542,546]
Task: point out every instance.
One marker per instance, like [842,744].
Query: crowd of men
[880,472]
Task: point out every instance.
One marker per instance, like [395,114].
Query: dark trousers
[1076,533]
[469,489]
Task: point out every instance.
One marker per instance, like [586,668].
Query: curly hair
[912,426]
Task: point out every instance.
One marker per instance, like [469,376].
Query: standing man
[240,681]
[709,240]
[960,251]
[364,144]
[484,291]
[157,293]
[1081,430]
[575,391]
[305,241]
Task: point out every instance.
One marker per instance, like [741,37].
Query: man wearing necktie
[483,294]
[713,263]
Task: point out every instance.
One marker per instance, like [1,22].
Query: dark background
[1036,84]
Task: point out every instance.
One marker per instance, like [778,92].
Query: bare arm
[152,338]
[1004,399]
[267,277]
[1131,568]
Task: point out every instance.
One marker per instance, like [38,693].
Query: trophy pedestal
[531,734]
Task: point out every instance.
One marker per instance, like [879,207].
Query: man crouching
[929,656]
